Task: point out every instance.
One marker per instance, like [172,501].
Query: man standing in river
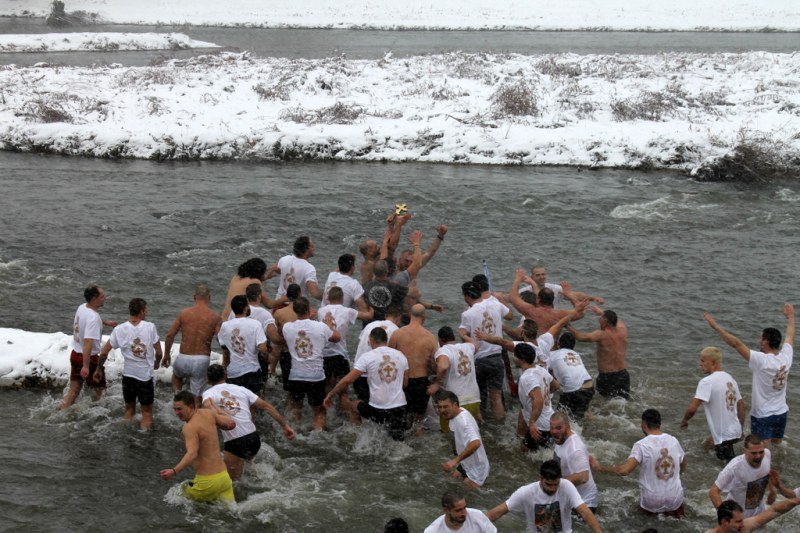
[613,380]
[197,325]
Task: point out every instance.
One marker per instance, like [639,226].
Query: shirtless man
[371,252]
[197,325]
[419,346]
[543,313]
[211,481]
[612,350]
[251,271]
[730,516]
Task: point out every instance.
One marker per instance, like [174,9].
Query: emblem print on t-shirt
[303,346]
[227,402]
[333,321]
[139,349]
[665,466]
[463,367]
[755,492]
[237,341]
[547,517]
[572,359]
[546,394]
[487,324]
[379,296]
[387,370]
[779,381]
[289,279]
[730,397]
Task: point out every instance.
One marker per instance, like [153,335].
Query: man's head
[481,281]
[754,450]
[567,341]
[301,307]
[530,330]
[369,249]
[303,247]
[608,319]
[447,404]
[417,313]
[446,335]
[560,428]
[651,419]
[380,269]
[770,338]
[539,275]
[253,293]
[254,268]
[405,260]
[524,354]
[293,292]
[454,506]
[184,405]
[730,516]
[347,263]
[137,307]
[215,374]
[396,525]
[471,291]
[335,295]
[95,296]
[546,297]
[710,359]
[550,476]
[202,293]
[239,305]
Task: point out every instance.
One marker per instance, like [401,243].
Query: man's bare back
[419,346]
[612,349]
[545,317]
[197,325]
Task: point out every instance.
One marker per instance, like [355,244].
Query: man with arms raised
[562,291]
[242,442]
[548,503]
[770,368]
[661,460]
[471,462]
[613,380]
[543,313]
[211,481]
[243,344]
[295,268]
[137,340]
[197,326]
[455,371]
[573,457]
[458,517]
[731,518]
[719,394]
[87,332]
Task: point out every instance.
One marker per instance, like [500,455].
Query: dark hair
[530,329]
[301,306]
[566,340]
[90,293]
[547,296]
[446,334]
[550,470]
[611,317]
[253,292]
[481,281]
[445,395]
[379,335]
[186,397]
[301,245]
[471,289]
[752,440]
[136,306]
[651,418]
[252,268]
[238,304]
[293,291]
[346,262]
[773,337]
[396,525]
[450,498]
[726,509]
[215,373]
[525,352]
[528,297]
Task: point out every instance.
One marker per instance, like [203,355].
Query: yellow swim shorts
[210,488]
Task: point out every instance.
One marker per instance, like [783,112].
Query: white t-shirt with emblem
[235,401]
[363,337]
[460,378]
[574,458]
[87,325]
[533,378]
[241,336]
[720,394]
[384,368]
[343,318]
[259,313]
[465,430]
[295,270]
[542,346]
[546,512]
[568,368]
[770,374]
[744,484]
[351,288]
[305,339]
[659,459]
[136,344]
[487,316]
[476,522]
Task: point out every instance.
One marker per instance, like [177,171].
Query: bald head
[418,311]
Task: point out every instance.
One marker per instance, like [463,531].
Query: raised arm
[416,258]
[441,231]
[513,295]
[729,338]
[773,512]
[788,310]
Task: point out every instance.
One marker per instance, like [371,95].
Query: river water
[660,247]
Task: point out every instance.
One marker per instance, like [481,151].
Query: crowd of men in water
[400,371]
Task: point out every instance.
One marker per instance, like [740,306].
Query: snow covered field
[736,15]
[87,42]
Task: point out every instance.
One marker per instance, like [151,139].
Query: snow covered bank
[646,15]
[42,360]
[89,42]
[674,111]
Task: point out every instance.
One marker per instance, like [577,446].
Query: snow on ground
[736,15]
[42,359]
[88,42]
[670,110]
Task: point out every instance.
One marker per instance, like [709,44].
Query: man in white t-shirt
[730,516]
[471,463]
[662,460]
[770,368]
[536,387]
[352,291]
[719,395]
[243,344]
[577,387]
[305,339]
[386,371]
[455,371]
[389,325]
[458,517]
[241,443]
[295,268]
[548,503]
[87,332]
[563,291]
[137,340]
[573,457]
[745,478]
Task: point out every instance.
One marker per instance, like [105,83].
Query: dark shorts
[315,390]
[336,366]
[576,402]
[285,362]
[76,363]
[361,388]
[614,384]
[544,442]
[417,395]
[489,372]
[133,389]
[245,447]
[770,427]
[254,381]
[393,419]
[724,450]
